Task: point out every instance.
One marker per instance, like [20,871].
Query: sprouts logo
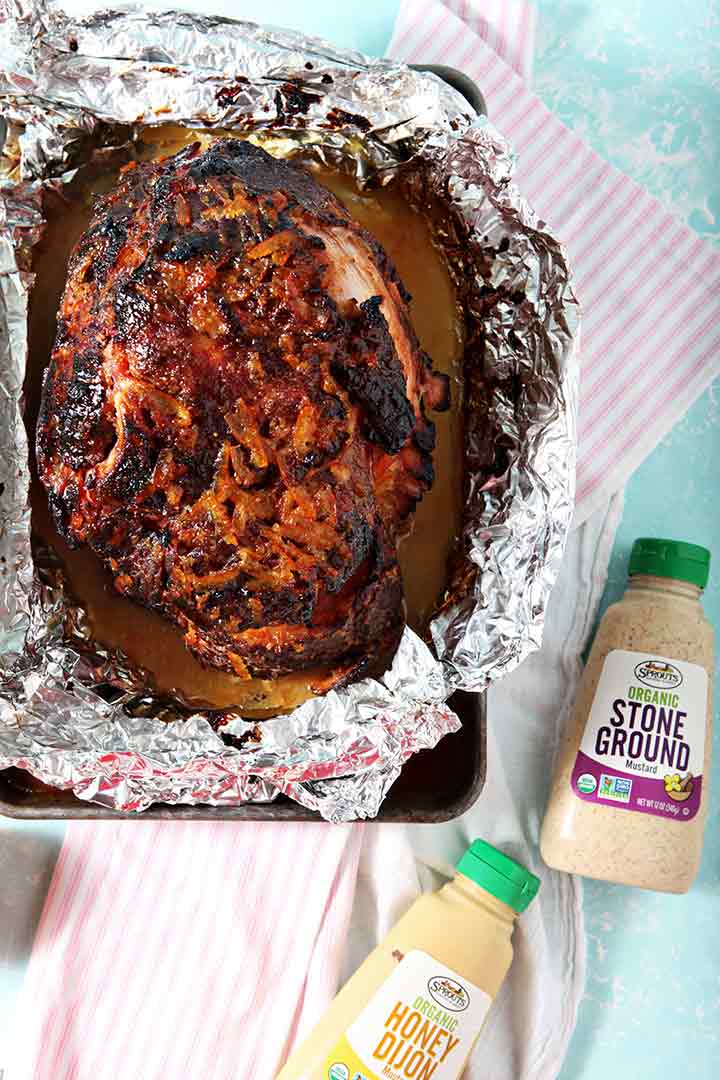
[658,673]
[448,993]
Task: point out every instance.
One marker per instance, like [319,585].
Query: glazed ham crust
[233,418]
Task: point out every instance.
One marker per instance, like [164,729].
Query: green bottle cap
[499,875]
[671,559]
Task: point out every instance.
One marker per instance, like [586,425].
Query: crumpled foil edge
[61,82]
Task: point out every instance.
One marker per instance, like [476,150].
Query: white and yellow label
[422,1023]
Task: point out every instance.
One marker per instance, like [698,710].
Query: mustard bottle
[630,792]
[414,1009]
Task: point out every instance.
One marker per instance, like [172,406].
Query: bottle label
[644,743]
[421,1023]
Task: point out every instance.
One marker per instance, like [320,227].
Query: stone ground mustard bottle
[630,790]
[415,1007]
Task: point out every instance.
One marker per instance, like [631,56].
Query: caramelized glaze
[147,638]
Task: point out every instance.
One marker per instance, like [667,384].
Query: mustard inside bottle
[416,1006]
[629,796]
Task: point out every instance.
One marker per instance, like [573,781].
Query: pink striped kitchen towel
[648,287]
[184,949]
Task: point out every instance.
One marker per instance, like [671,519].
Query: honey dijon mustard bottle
[414,1009]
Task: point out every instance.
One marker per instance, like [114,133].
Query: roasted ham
[233,418]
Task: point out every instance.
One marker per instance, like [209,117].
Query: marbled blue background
[640,80]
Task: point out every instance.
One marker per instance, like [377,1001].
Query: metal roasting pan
[435,785]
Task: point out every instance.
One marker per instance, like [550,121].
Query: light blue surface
[652,999]
[639,79]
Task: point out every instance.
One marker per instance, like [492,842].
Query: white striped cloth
[192,949]
[507,27]
[648,287]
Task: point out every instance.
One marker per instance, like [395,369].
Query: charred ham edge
[234,415]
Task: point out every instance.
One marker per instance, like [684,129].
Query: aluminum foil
[77,716]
